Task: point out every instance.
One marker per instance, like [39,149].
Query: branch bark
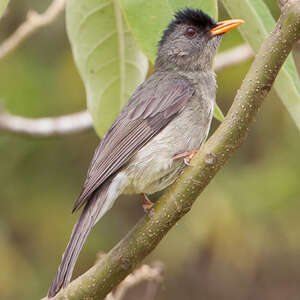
[97,282]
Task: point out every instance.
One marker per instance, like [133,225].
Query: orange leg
[147,203]
[187,156]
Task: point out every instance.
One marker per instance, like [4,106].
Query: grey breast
[152,168]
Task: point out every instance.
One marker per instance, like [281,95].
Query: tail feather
[87,220]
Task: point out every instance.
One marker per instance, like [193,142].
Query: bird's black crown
[189,16]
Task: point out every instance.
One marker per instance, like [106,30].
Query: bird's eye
[190,32]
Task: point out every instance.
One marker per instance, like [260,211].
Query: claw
[187,156]
[187,161]
[148,204]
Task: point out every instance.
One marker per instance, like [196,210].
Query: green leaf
[258,24]
[108,59]
[218,113]
[3,5]
[149,18]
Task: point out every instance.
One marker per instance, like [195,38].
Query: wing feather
[150,109]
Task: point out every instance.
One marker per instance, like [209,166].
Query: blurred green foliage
[241,239]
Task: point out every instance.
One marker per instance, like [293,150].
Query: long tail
[90,215]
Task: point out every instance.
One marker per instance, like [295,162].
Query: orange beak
[225,26]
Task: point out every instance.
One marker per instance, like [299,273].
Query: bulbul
[159,130]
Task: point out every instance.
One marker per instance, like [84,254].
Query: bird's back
[152,168]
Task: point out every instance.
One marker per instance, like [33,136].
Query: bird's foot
[148,204]
[187,156]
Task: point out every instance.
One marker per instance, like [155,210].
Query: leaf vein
[102,66]
[133,64]
[109,83]
[105,38]
[92,12]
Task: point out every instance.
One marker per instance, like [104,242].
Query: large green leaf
[149,18]
[106,54]
[3,4]
[258,24]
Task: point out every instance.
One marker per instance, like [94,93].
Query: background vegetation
[240,241]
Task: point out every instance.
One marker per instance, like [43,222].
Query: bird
[158,131]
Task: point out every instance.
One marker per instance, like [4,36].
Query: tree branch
[44,127]
[34,21]
[97,282]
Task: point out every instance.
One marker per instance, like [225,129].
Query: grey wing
[148,111]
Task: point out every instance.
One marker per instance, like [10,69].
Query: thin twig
[233,57]
[44,127]
[33,22]
[152,290]
[144,273]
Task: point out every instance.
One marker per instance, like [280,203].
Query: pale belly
[152,168]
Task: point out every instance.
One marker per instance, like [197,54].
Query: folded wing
[154,104]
